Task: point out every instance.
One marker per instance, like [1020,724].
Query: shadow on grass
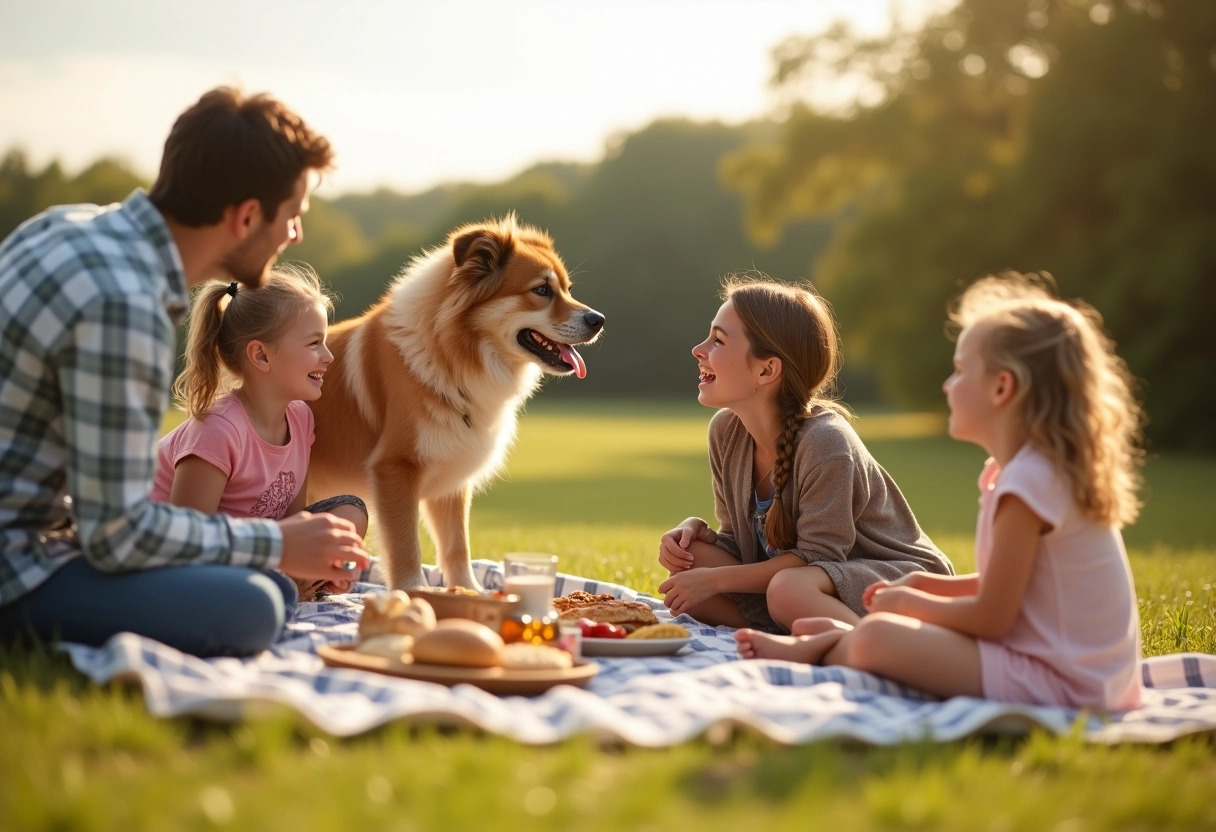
[40,665]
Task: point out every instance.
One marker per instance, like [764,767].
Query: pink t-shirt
[1079,616]
[263,479]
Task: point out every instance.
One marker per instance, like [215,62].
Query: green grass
[597,485]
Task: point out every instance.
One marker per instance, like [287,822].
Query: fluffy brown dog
[420,401]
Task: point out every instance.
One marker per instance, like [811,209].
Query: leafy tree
[1054,135]
[25,192]
[650,237]
[332,239]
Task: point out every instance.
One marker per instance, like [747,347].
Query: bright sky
[411,92]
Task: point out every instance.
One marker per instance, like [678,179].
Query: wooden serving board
[498,680]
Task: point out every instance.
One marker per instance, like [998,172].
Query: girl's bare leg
[307,588]
[720,610]
[934,659]
[813,626]
[356,516]
[805,592]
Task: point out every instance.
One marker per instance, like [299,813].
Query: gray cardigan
[850,517]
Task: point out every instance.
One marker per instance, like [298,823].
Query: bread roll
[394,612]
[388,645]
[459,642]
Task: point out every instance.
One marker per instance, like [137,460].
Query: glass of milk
[533,577]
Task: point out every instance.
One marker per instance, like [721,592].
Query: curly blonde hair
[223,320]
[795,324]
[1075,394]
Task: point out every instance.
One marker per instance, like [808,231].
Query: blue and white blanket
[661,701]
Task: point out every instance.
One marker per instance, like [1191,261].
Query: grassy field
[597,486]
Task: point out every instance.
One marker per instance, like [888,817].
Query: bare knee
[252,616]
[785,594]
[707,555]
[868,646]
[354,514]
[792,594]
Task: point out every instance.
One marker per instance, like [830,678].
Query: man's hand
[321,547]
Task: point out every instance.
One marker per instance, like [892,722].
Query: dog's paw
[463,578]
[407,582]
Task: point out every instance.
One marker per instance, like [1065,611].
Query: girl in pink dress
[254,359]
[1049,618]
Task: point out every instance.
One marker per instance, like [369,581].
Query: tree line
[1064,136]
[648,233]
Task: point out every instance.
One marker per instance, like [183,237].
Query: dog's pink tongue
[570,356]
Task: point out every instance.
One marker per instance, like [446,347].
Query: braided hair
[792,323]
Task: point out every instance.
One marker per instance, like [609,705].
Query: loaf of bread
[580,598]
[627,614]
[394,612]
[460,643]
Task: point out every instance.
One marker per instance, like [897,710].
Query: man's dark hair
[228,148]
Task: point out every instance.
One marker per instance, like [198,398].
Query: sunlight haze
[411,94]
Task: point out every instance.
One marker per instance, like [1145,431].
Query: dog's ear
[483,251]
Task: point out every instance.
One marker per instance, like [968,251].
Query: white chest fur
[454,452]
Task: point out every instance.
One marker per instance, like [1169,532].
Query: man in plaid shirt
[89,297]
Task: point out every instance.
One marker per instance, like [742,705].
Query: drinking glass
[533,577]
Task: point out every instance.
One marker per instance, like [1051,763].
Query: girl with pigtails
[807,519]
[254,358]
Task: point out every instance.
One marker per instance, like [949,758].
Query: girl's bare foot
[808,649]
[815,626]
[307,588]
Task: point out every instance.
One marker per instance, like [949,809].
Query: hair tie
[232,288]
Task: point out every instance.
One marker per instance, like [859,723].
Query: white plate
[633,646]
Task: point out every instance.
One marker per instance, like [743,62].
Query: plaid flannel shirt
[89,297]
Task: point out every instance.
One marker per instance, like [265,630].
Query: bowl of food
[489,608]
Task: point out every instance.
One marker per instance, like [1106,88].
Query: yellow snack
[667,630]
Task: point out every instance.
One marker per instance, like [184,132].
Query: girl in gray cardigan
[807,519]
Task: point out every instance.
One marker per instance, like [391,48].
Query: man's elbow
[99,554]
[108,547]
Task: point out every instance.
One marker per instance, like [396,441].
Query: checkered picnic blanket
[703,690]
